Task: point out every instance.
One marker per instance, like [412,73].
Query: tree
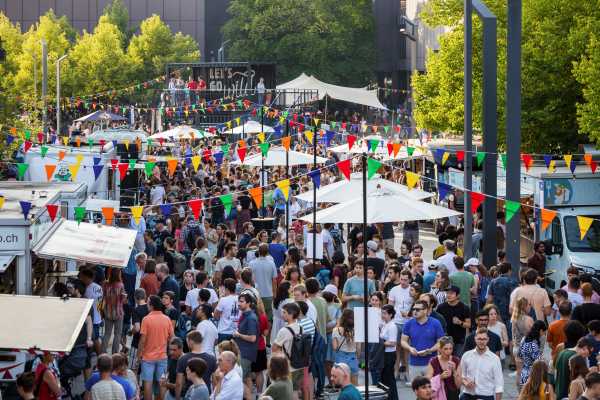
[118,15]
[549,88]
[332,39]
[156,45]
[108,68]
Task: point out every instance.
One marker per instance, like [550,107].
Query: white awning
[51,323]
[88,243]
[5,262]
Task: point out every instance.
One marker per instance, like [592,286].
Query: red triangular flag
[527,160]
[52,210]
[593,166]
[196,206]
[460,155]
[476,199]
[161,141]
[390,147]
[113,163]
[351,140]
[27,145]
[123,167]
[40,137]
[344,167]
[343,125]
[102,142]
[241,151]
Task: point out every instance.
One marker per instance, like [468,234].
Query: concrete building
[202,19]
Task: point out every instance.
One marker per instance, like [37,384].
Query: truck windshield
[591,241]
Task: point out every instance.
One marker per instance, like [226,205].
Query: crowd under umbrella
[346,190]
[378,207]
[100,116]
[180,132]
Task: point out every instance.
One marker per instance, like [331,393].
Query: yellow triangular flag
[281,120]
[126,143]
[1,202]
[237,120]
[445,157]
[136,212]
[584,225]
[228,123]
[364,128]
[79,158]
[65,140]
[316,121]
[284,186]
[196,162]
[411,179]
[568,158]
[74,168]
[552,166]
[261,137]
[309,136]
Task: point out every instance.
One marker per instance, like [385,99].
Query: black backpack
[301,349]
[192,235]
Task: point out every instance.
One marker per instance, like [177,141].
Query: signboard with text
[12,238]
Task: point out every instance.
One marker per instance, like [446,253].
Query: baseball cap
[454,289]
[331,289]
[372,245]
[434,264]
[472,262]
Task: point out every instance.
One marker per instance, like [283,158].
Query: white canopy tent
[87,243]
[342,191]
[250,127]
[381,207]
[119,135]
[51,323]
[276,157]
[181,132]
[351,95]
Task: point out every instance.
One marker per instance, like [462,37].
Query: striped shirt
[308,326]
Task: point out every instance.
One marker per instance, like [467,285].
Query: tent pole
[314,229]
[365,279]
[262,164]
[287,175]
[325,117]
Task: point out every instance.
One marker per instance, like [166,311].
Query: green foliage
[554,39]
[331,39]
[118,15]
[156,45]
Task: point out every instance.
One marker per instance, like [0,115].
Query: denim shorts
[330,356]
[153,370]
[349,358]
[96,331]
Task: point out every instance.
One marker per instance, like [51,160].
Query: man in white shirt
[207,328]
[265,275]
[228,383]
[447,260]
[481,371]
[227,311]
[301,294]
[400,298]
[229,259]
[191,299]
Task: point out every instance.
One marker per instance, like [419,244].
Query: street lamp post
[409,29]
[58,93]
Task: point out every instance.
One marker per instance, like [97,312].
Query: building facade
[201,19]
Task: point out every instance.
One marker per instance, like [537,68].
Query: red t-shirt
[44,392]
[263,325]
[201,84]
[193,85]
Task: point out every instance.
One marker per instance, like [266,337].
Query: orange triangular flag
[78,141]
[547,218]
[61,155]
[396,149]
[256,194]
[50,168]
[109,215]
[588,159]
[285,142]
[172,166]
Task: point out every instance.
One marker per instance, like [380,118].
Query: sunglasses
[418,309]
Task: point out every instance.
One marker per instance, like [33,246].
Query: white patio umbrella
[250,127]
[276,157]
[381,207]
[344,190]
[181,132]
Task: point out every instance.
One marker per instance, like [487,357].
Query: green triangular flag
[480,158]
[22,167]
[132,163]
[264,148]
[333,123]
[149,166]
[90,142]
[386,129]
[285,114]
[410,151]
[150,141]
[372,167]
[27,135]
[503,158]
[227,201]
[511,208]
[240,104]
[374,144]
[225,148]
[44,151]
[79,214]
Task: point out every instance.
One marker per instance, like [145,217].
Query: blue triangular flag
[443,190]
[315,174]
[219,158]
[329,137]
[439,155]
[114,142]
[53,138]
[188,161]
[25,207]
[9,139]
[547,160]
[97,170]
[368,145]
[97,160]
[277,131]
[165,209]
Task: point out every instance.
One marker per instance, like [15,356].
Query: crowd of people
[215,308]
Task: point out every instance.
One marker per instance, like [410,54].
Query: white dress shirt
[485,370]
[232,387]
[447,260]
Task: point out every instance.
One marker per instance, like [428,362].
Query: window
[591,241]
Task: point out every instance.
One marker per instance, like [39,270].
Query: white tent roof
[341,191]
[381,208]
[276,157]
[88,243]
[250,127]
[352,95]
[181,132]
[52,324]
[117,134]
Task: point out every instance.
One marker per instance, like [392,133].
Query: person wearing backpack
[47,383]
[175,260]
[294,344]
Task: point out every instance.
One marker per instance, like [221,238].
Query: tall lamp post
[410,30]
[58,94]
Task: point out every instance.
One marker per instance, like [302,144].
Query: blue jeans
[129,283]
[349,358]
[153,370]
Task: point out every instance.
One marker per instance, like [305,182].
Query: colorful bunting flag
[109,215]
[79,159]
[410,151]
[344,167]
[21,168]
[315,174]
[309,136]
[374,144]
[286,142]
[52,211]
[443,190]
[61,155]
[149,167]
[126,143]
[241,151]
[568,159]
[503,158]
[257,194]
[25,208]
[50,168]
[284,186]
[136,213]
[113,163]
[123,167]
[372,167]
[476,200]
[511,208]
[227,200]
[460,156]
[261,137]
[196,162]
[74,169]
[79,214]
[27,145]
[412,179]
[527,160]
[171,166]
[196,207]
[480,157]
[132,163]
[219,158]
[588,159]
[552,166]
[547,217]
[396,149]
[165,209]
[2,200]
[97,170]
[390,148]
[264,148]
[445,157]
[593,166]
[65,140]
[584,225]
[351,141]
